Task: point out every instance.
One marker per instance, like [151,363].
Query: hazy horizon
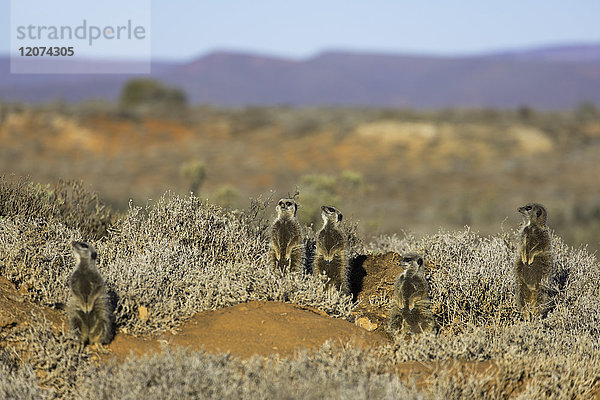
[182,30]
[327,50]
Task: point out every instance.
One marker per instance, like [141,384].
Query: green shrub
[317,190]
[228,196]
[195,173]
[149,95]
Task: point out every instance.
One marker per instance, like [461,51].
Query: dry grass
[442,167]
[176,257]
[180,255]
[17,380]
[326,374]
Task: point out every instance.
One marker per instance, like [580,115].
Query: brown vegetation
[178,265]
[416,171]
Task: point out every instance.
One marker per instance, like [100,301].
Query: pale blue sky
[183,29]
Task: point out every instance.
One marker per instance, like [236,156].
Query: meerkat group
[89,314]
[287,252]
[411,310]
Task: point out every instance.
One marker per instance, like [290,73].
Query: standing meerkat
[88,310]
[533,267]
[411,309]
[331,257]
[287,246]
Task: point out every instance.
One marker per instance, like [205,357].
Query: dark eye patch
[289,204]
[407,259]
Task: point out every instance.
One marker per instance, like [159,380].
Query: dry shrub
[53,356]
[472,281]
[35,254]
[17,380]
[176,257]
[67,201]
[330,373]
[180,255]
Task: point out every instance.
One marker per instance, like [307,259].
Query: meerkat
[411,309]
[331,257]
[88,309]
[533,266]
[287,246]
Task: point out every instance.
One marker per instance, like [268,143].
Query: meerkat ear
[295,208]
[538,212]
[419,261]
[340,217]
[94,255]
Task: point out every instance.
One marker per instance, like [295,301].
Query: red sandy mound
[255,328]
[248,329]
[377,274]
[261,328]
[15,311]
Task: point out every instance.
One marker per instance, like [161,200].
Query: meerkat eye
[406,259]
[528,208]
[85,246]
[289,204]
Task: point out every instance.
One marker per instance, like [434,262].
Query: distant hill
[547,78]
[576,54]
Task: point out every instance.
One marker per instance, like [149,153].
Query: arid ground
[392,170]
[199,312]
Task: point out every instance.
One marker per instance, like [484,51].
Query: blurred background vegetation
[391,170]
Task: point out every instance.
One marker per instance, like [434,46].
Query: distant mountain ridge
[546,78]
[573,53]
